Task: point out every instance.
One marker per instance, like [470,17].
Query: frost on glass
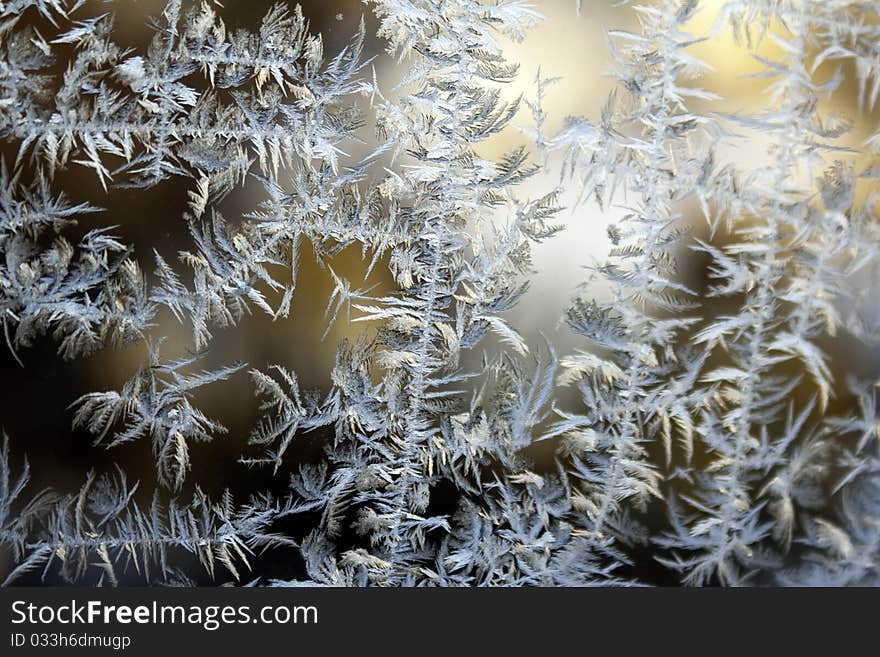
[695,433]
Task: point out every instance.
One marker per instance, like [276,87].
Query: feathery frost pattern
[700,428]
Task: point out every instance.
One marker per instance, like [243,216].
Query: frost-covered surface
[718,405]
